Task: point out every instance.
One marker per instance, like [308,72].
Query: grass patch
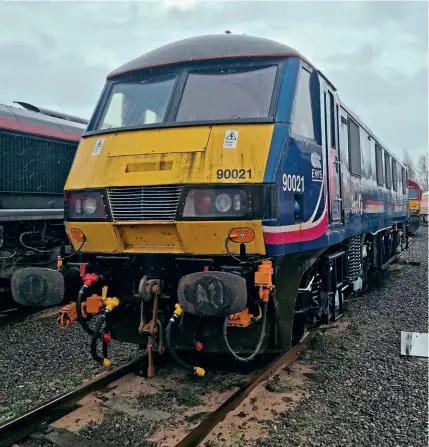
[170,398]
[82,430]
[305,421]
[71,382]
[188,398]
[277,385]
[236,438]
[18,407]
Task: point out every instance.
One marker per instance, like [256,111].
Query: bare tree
[409,163]
[422,172]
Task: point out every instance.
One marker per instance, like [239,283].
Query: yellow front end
[162,157]
[414,206]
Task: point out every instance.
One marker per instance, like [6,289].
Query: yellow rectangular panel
[172,156]
[160,141]
[149,238]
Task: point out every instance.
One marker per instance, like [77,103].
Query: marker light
[203,201]
[242,235]
[77,235]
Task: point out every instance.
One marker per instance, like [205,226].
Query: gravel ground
[362,392]
[175,397]
[40,360]
[138,420]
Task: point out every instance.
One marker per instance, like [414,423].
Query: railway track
[18,315]
[21,427]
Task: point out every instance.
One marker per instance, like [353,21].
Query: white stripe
[305,225]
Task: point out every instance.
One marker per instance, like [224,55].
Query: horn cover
[212,293]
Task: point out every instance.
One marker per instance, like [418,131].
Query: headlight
[215,203]
[85,205]
[223,203]
[89,205]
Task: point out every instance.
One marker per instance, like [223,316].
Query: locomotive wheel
[298,329]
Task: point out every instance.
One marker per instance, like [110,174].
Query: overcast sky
[58,54]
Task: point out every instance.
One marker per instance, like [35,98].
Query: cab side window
[354,147]
[404,181]
[302,124]
[388,170]
[379,165]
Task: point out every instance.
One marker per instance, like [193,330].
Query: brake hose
[95,336]
[258,346]
[175,317]
[80,316]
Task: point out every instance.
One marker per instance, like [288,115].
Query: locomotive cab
[168,194]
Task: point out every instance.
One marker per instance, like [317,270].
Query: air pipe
[175,317]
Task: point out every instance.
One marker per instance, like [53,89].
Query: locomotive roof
[413,184]
[219,46]
[14,118]
[216,46]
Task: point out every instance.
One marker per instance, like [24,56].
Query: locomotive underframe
[414,224]
[342,270]
[28,243]
[309,290]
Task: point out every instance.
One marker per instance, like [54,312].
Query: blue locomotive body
[335,180]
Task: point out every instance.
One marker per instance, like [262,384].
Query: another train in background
[414,199]
[424,208]
[37,148]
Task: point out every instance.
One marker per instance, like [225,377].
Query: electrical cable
[21,237]
[258,346]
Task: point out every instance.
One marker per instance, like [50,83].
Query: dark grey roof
[207,47]
[21,120]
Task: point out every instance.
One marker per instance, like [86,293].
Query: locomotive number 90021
[293,183]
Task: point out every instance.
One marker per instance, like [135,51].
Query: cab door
[331,109]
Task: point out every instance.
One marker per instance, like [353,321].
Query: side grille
[144,203]
[355,258]
[33,164]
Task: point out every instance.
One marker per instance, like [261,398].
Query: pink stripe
[373,202]
[38,130]
[331,175]
[289,237]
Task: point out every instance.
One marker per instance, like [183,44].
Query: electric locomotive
[37,147]
[415,197]
[223,198]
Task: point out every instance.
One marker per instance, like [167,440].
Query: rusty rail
[13,315]
[201,431]
[20,427]
[16,429]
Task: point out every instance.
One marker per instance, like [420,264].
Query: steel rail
[202,430]
[14,430]
[17,429]
[14,315]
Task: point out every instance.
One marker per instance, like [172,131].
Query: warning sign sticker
[97,147]
[230,140]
